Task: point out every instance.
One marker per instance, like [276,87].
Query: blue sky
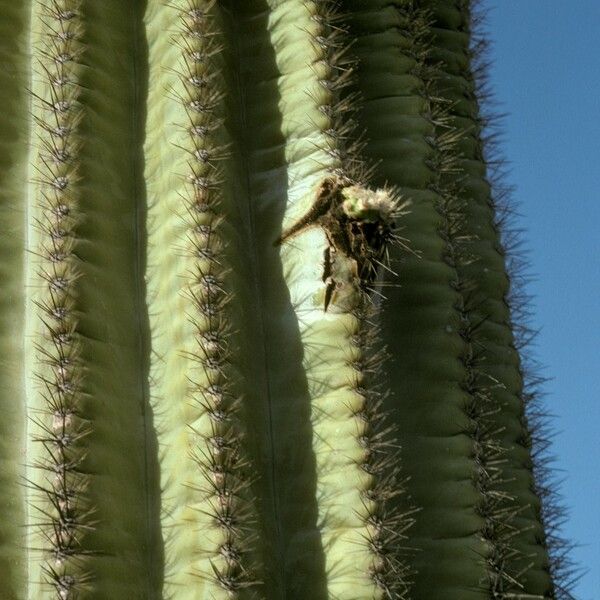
[546,75]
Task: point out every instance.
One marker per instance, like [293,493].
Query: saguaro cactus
[259,336]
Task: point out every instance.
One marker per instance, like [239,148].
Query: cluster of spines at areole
[60,516]
[384,525]
[222,484]
[537,431]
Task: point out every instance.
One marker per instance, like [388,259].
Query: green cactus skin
[14,158]
[88,106]
[225,375]
[197,391]
[460,416]
[58,426]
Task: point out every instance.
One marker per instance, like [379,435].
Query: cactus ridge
[425,80]
[385,523]
[381,527]
[333,69]
[223,483]
[495,506]
[517,565]
[537,431]
[519,556]
[61,517]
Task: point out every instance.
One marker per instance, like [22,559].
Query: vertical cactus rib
[325,292]
[454,447]
[359,529]
[429,95]
[91,448]
[218,453]
[489,285]
[122,447]
[322,523]
[543,553]
[207,509]
[495,506]
[419,323]
[61,516]
[277,404]
[14,38]
[564,572]
[218,430]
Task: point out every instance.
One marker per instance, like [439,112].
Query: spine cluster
[383,524]
[495,506]
[217,432]
[62,517]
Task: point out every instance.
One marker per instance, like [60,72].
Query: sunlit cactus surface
[262,327]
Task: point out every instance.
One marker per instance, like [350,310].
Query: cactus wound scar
[358,223]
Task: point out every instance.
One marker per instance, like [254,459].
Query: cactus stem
[62,516]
